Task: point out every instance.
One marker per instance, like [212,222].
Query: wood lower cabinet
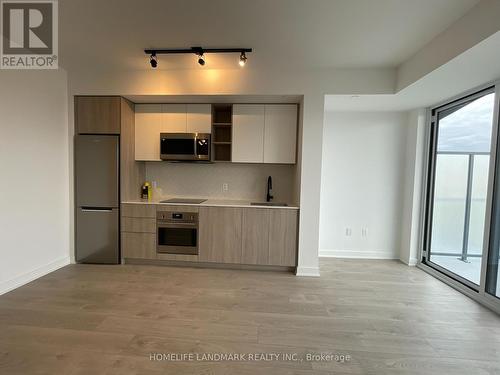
[269,237]
[283,225]
[230,235]
[138,231]
[255,237]
[138,245]
[220,234]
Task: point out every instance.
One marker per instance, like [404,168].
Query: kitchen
[222,186]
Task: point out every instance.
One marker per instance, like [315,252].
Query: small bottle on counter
[146,191]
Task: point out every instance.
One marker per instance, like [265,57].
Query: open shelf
[222,134]
[222,126]
[222,152]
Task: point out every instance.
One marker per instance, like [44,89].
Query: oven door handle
[196,146]
[177,225]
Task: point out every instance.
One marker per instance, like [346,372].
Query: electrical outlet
[225,187]
[364,232]
[347,231]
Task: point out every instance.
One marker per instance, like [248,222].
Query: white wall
[362,184]
[34,191]
[413,178]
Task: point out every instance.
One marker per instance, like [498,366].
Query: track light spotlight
[153,60]
[243,59]
[201,59]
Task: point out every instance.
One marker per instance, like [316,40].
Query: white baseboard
[307,271]
[412,262]
[25,278]
[357,254]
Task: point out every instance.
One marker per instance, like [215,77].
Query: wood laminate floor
[389,318]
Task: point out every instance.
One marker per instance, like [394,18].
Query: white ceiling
[298,33]
[474,67]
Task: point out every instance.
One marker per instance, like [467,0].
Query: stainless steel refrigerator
[97,188]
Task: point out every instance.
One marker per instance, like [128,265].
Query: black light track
[195,50]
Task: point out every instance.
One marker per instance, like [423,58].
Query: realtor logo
[29,34]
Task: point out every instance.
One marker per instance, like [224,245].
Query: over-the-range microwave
[185,146]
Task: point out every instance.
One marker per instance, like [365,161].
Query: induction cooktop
[184,200]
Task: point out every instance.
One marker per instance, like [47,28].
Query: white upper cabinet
[173,118]
[261,133]
[153,119]
[199,118]
[248,133]
[280,133]
[264,133]
[147,131]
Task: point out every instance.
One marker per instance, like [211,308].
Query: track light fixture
[199,52]
[201,59]
[153,60]
[243,59]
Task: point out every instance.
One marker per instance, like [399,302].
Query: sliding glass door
[458,189]
[492,268]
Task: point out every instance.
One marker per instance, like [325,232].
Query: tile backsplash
[244,181]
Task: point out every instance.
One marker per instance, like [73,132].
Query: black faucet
[269,189]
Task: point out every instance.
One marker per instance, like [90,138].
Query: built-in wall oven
[177,232]
[185,146]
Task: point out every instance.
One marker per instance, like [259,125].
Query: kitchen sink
[268,204]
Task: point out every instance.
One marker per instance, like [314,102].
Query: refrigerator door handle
[96,209]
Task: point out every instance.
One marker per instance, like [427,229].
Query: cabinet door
[280,136]
[97,114]
[283,237]
[138,245]
[199,118]
[174,118]
[255,236]
[147,131]
[220,234]
[248,133]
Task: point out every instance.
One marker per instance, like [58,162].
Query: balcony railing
[464,253]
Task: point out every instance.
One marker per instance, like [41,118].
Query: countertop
[210,203]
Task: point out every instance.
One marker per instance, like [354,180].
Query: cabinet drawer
[138,245]
[139,210]
[138,225]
